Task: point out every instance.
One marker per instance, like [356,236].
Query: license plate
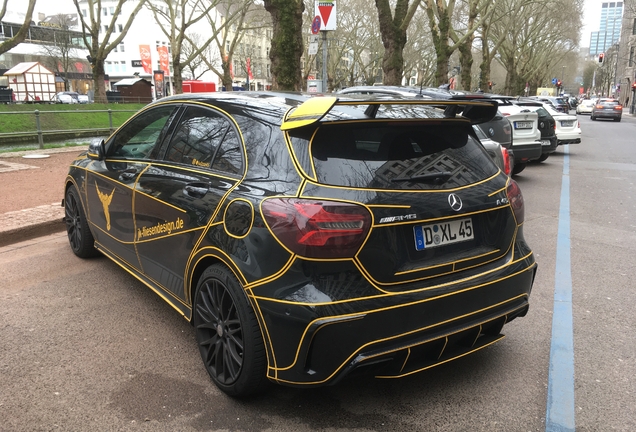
[545,142]
[523,125]
[567,123]
[443,233]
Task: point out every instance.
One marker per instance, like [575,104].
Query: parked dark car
[547,126]
[559,103]
[607,108]
[310,239]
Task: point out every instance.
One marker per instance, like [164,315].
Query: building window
[634,27]
[105,29]
[121,47]
[115,49]
[631,56]
[120,28]
[84,13]
[112,11]
[105,11]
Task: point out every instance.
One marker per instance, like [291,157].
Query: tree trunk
[466,63]
[226,79]
[393,28]
[99,77]
[287,43]
[177,77]
[440,31]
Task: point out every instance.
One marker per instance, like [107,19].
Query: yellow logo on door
[105,199]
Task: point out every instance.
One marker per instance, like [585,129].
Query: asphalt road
[84,346]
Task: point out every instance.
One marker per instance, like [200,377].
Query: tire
[618,119]
[543,157]
[592,117]
[228,334]
[518,168]
[79,234]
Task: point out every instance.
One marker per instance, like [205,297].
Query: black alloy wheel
[543,157]
[79,234]
[228,334]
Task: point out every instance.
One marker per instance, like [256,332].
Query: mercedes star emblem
[455,202]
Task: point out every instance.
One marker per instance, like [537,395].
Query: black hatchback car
[308,239]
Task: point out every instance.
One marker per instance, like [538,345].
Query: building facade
[609,29]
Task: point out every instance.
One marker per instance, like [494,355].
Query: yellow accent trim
[389,206]
[442,362]
[120,262]
[309,112]
[197,171]
[407,190]
[384,294]
[353,354]
[251,222]
[273,277]
[408,355]
[425,221]
[453,263]
[161,201]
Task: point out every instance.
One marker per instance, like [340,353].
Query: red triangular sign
[325,11]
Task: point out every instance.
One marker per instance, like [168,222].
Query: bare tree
[237,19]
[287,43]
[393,26]
[175,17]
[62,50]
[16,39]
[98,43]
[192,68]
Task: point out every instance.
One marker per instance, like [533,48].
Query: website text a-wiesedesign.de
[160,228]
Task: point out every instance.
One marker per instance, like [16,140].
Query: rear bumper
[393,335]
[527,152]
[551,147]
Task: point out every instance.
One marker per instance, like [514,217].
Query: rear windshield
[399,155]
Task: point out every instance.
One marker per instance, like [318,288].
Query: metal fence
[41,133]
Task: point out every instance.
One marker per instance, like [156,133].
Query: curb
[21,225]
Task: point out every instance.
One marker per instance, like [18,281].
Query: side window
[229,157]
[205,138]
[138,138]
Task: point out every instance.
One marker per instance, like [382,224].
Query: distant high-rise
[610,28]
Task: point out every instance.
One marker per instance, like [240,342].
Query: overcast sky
[591,13]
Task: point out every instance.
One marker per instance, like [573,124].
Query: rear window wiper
[435,178]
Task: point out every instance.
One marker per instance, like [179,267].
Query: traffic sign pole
[324,61]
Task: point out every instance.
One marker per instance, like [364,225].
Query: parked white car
[66,98]
[568,127]
[526,136]
[83,99]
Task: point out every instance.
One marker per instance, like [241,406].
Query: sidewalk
[44,219]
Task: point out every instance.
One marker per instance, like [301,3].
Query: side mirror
[96,150]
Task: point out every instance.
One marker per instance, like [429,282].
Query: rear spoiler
[476,110]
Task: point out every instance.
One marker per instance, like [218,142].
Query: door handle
[196,190]
[128,174]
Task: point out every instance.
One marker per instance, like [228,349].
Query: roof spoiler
[315,109]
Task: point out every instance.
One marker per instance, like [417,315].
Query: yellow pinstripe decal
[399,336]
[225,212]
[442,362]
[443,265]
[417,191]
[423,221]
[273,277]
[264,332]
[408,355]
[391,294]
[120,262]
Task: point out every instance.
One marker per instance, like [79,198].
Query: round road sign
[315,25]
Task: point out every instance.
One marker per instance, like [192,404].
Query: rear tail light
[317,229]
[618,107]
[516,201]
[599,106]
[506,160]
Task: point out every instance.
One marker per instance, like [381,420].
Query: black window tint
[138,138]
[382,156]
[229,157]
[197,137]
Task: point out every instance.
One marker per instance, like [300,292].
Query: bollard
[110,120]
[39,129]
